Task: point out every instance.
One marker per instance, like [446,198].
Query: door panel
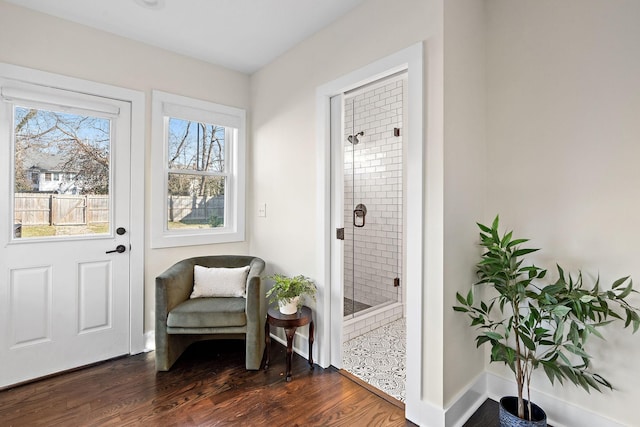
[64,296]
[30,302]
[95,290]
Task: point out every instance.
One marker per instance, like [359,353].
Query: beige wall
[563,135]
[45,43]
[464,178]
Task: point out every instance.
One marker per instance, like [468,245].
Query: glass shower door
[372,198]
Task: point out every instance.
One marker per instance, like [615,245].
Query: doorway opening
[370,153]
[331,212]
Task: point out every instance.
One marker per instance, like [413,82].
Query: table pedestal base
[290,323]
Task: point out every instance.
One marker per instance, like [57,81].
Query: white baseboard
[488,385]
[423,413]
[467,402]
[149,341]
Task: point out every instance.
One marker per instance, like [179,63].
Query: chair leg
[169,349]
[254,349]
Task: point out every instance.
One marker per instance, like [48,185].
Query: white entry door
[64,230]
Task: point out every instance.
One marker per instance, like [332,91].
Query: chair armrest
[173,287]
[255,294]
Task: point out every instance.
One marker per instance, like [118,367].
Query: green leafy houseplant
[531,325]
[286,288]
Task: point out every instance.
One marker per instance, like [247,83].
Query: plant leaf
[626,291]
[520,252]
[460,299]
[594,331]
[493,336]
[619,282]
[506,239]
[516,242]
[528,342]
[483,228]
[560,310]
[576,350]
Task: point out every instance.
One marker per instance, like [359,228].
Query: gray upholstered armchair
[181,321]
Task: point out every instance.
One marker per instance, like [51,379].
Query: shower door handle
[359,214]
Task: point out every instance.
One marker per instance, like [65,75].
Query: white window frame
[164,106]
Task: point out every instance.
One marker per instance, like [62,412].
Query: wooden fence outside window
[60,209]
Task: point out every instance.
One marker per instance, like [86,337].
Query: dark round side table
[290,322]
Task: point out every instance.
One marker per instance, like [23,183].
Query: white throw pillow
[219,282]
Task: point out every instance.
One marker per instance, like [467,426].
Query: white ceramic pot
[289,307]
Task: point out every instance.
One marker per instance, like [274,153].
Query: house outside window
[198,166]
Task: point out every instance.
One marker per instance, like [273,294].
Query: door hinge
[396,282]
[340,233]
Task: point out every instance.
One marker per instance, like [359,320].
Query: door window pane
[62,173]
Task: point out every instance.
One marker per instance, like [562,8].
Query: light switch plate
[262,210]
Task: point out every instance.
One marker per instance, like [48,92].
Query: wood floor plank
[208,386]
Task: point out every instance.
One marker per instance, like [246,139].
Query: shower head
[354,138]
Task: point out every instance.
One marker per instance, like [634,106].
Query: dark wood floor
[208,386]
[485,416]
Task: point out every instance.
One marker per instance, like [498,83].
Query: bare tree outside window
[61,182]
[196,180]
[73,144]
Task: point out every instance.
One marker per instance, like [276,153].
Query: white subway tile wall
[373,177]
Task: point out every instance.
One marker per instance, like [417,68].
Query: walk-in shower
[373,205]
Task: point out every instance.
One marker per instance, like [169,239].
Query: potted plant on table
[530,325]
[290,292]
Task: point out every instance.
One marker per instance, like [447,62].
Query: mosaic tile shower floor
[378,358]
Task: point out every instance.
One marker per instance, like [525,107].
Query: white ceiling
[243,35]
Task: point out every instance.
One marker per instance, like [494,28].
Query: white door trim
[136,238]
[410,59]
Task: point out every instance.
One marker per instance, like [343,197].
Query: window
[197,172]
[54,130]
